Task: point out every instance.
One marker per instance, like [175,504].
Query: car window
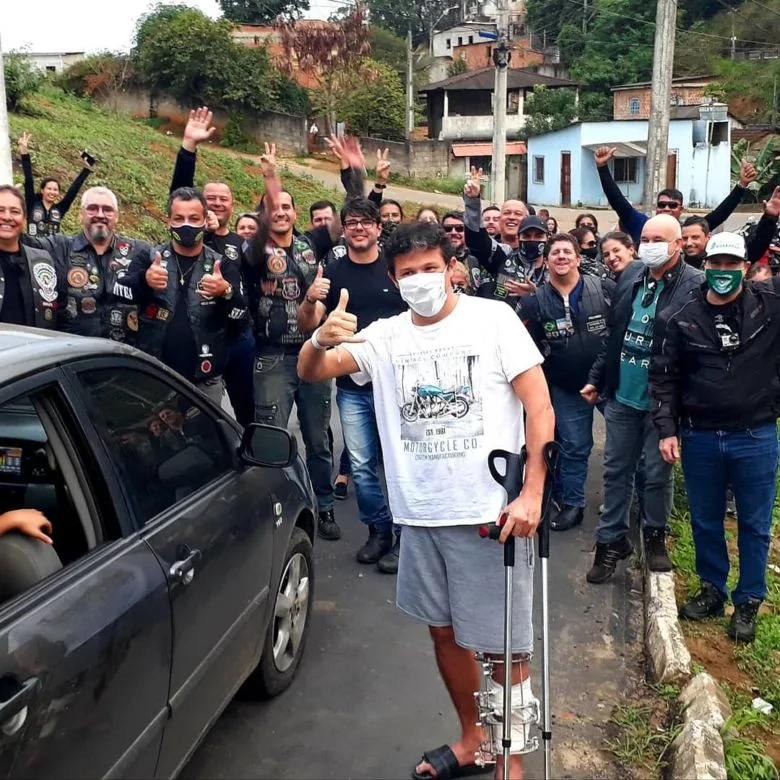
[164,446]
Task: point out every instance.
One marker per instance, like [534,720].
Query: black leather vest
[41,222]
[43,282]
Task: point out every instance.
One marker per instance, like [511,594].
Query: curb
[697,751]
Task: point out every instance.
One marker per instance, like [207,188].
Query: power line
[766,7]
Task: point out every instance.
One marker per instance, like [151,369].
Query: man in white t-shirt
[451,378]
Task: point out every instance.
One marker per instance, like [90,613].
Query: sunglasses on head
[668,204]
[453,228]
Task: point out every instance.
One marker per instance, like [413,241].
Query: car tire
[278,664]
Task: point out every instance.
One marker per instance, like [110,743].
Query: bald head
[661,227]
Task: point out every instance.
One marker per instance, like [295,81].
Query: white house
[55,62]
[562,170]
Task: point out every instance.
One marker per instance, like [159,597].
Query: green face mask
[723,282]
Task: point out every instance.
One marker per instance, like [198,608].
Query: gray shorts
[450,576]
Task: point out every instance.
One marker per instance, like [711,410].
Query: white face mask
[654,254]
[426,294]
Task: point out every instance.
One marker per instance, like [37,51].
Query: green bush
[21,79]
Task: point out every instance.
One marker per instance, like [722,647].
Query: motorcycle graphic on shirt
[439,399]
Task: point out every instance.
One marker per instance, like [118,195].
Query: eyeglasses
[453,228]
[94,209]
[668,204]
[354,224]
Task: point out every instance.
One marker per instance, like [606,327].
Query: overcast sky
[93,25]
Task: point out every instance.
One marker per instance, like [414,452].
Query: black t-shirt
[12,308]
[727,318]
[220,244]
[372,296]
[179,350]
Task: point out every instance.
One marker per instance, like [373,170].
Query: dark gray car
[181,567]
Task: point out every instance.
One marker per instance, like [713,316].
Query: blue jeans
[361,438]
[746,460]
[238,375]
[574,433]
[629,432]
[277,386]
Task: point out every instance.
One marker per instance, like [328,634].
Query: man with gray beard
[93,263]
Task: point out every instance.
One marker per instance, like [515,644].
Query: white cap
[730,244]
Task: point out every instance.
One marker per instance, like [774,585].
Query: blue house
[562,170]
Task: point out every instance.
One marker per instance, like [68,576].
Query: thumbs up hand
[157,274]
[341,326]
[319,289]
[214,285]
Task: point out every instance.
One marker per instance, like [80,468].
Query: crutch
[512,482]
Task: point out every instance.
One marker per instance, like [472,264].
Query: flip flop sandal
[444,761]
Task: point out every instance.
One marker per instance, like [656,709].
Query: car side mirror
[267,446]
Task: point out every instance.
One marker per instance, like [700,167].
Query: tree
[262,11]
[396,15]
[329,53]
[457,66]
[549,109]
[21,79]
[373,101]
[99,75]
[388,48]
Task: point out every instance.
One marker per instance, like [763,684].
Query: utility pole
[658,125]
[733,38]
[584,17]
[6,170]
[409,85]
[501,56]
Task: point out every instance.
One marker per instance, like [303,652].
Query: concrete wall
[444,42]
[703,171]
[54,62]
[286,131]
[425,159]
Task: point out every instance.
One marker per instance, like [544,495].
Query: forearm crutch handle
[550,455]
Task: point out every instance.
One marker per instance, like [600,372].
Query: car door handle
[13,711]
[183,570]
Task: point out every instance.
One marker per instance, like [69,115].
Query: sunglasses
[668,204]
[453,228]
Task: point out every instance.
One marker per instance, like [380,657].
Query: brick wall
[425,159]
[621,100]
[479,55]
[286,131]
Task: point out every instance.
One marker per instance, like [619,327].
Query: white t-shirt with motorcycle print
[444,400]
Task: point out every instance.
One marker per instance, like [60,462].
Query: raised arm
[747,175]
[197,130]
[631,219]
[761,238]
[478,240]
[65,204]
[29,181]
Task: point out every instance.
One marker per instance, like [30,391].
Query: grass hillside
[136,162]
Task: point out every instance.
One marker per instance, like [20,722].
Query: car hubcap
[292,609]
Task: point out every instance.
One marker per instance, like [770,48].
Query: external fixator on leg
[525,712]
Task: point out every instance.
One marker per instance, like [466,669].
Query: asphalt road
[367,700]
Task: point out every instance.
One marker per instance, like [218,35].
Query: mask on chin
[187,235]
[426,294]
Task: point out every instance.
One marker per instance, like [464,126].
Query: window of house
[471,39]
[625,170]
[538,170]
[460,40]
[164,445]
[51,69]
[448,43]
[633,106]
[489,53]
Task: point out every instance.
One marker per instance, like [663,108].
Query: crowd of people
[449,336]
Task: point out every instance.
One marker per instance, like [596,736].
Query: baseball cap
[532,223]
[730,244]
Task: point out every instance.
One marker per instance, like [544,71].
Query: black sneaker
[607,556]
[340,490]
[655,549]
[377,544]
[327,528]
[567,518]
[388,563]
[742,627]
[708,602]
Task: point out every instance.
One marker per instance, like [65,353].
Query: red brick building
[632,101]
[480,55]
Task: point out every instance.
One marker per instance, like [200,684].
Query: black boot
[567,518]
[327,528]
[742,627]
[388,563]
[708,602]
[378,543]
[655,549]
[607,556]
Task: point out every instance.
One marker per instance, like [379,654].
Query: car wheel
[289,624]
